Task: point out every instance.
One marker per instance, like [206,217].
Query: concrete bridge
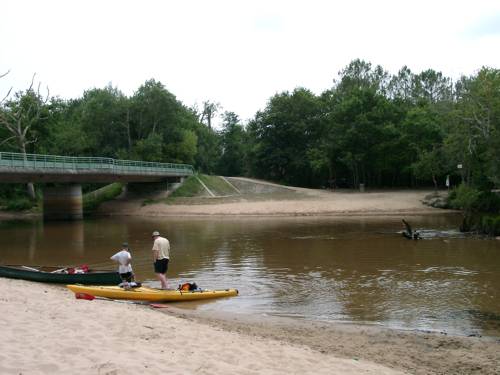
[65,201]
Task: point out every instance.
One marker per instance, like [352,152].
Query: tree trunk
[30,187]
[31,190]
[129,139]
[435,182]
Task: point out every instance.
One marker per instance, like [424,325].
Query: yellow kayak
[150,294]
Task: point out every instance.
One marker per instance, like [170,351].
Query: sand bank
[45,330]
[299,202]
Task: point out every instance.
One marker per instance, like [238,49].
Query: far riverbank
[292,202]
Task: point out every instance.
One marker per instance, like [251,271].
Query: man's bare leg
[163,280]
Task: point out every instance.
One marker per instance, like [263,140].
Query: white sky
[237,53]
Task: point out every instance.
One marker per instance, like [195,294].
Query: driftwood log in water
[409,233]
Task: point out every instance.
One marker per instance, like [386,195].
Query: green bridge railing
[35,161]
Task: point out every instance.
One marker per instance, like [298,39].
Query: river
[331,269]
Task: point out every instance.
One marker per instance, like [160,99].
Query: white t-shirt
[123,258]
[162,245]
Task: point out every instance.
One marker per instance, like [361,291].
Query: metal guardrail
[36,161]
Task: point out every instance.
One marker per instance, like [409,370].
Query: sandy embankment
[45,330]
[283,201]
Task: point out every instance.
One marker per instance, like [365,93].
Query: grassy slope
[92,200]
[191,188]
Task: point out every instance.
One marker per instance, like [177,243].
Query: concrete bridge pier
[63,202]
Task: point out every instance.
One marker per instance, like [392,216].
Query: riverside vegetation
[371,127]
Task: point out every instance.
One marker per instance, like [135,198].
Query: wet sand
[413,352]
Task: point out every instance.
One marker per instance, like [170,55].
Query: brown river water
[344,270]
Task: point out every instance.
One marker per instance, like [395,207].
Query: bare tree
[209,111]
[8,92]
[18,116]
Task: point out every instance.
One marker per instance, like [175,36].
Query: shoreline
[122,337]
[232,216]
[410,351]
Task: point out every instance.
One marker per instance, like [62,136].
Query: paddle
[30,268]
[59,270]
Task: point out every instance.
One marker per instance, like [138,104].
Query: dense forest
[370,127]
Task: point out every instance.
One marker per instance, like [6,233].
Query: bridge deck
[16,167]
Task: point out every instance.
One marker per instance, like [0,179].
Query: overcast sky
[237,53]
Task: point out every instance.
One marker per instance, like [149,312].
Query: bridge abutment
[63,202]
[166,186]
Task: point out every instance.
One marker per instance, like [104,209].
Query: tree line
[402,130]
[381,130]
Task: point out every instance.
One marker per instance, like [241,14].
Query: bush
[19,204]
[491,225]
[464,198]
[481,209]
[471,199]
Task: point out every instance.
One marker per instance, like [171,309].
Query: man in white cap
[161,257]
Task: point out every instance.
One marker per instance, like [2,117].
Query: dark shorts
[161,265]
[126,276]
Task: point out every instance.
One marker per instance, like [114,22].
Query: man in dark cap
[123,258]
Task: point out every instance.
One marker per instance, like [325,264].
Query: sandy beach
[46,330]
[283,201]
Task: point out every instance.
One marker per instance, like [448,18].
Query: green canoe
[62,275]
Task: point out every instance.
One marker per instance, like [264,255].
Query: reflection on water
[354,269]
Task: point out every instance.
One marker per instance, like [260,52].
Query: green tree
[473,136]
[101,114]
[150,148]
[208,149]
[431,86]
[283,133]
[232,138]
[156,114]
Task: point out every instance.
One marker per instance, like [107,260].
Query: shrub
[491,225]
[464,198]
[471,199]
[19,204]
